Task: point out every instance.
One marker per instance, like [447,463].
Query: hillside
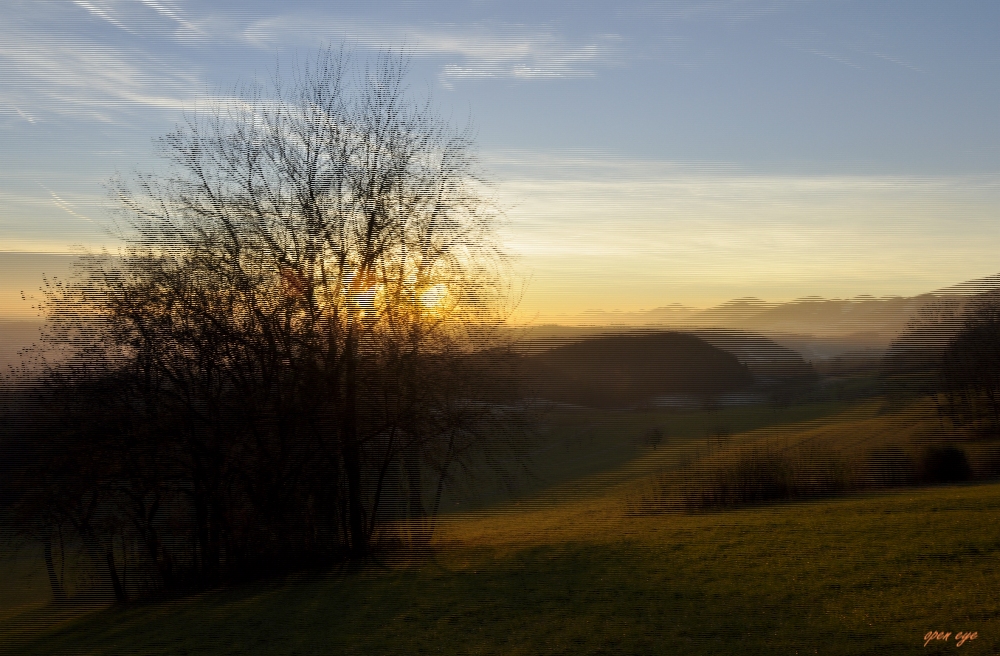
[546,573]
[843,576]
[629,369]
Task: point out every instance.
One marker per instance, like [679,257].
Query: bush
[763,474]
[652,437]
[772,470]
[891,466]
[759,475]
[984,459]
[944,464]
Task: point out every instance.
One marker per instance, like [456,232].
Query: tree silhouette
[970,368]
[292,346]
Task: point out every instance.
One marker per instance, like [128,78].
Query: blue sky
[648,152]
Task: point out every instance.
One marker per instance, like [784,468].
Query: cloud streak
[482,50]
[143,17]
[45,75]
[629,232]
[62,60]
[103,11]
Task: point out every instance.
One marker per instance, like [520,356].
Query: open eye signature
[944,636]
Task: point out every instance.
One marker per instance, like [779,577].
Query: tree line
[951,353]
[970,369]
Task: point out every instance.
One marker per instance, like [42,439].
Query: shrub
[944,464]
[764,473]
[984,459]
[890,466]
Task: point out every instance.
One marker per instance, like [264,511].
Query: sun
[433,297]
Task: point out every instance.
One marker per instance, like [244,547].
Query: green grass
[570,445]
[833,454]
[571,570]
[25,585]
[849,576]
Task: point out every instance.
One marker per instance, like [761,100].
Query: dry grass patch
[860,449]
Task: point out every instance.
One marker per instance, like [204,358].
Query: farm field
[574,569]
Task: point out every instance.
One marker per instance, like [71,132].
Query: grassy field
[867,446]
[570,446]
[572,570]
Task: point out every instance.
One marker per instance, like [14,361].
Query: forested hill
[628,369]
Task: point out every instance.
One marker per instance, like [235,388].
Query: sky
[646,153]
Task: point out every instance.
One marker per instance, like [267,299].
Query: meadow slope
[578,572]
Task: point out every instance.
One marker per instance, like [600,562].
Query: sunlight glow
[434,296]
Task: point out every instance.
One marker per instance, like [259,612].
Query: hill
[861,575]
[629,369]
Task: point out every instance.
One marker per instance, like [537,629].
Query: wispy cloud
[840,59]
[165,9]
[104,11]
[860,51]
[44,75]
[478,51]
[54,62]
[589,225]
[65,205]
[545,60]
[853,55]
[725,10]
[898,61]
[143,17]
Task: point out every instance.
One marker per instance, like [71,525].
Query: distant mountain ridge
[782,337]
[875,322]
[881,317]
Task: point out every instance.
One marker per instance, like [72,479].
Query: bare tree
[970,368]
[296,335]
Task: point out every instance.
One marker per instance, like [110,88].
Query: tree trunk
[420,531]
[351,452]
[94,548]
[116,583]
[58,592]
